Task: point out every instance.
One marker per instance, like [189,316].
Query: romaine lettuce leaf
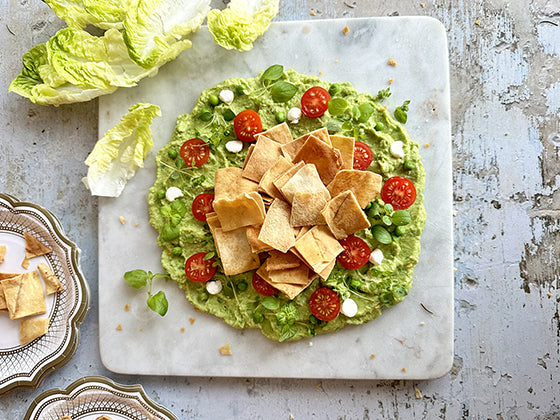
[104,14]
[115,157]
[243,21]
[155,30]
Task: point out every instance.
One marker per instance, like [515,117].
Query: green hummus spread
[373,286]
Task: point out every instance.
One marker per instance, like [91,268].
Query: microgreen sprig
[140,278]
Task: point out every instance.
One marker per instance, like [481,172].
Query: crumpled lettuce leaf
[104,14]
[115,157]
[243,21]
[155,30]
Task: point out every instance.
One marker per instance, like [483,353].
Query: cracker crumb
[3,249]
[346,30]
[136,224]
[507,134]
[292,417]
[409,265]
[477,22]
[427,145]
[422,324]
[182,329]
[141,329]
[225,350]
[383,108]
[196,310]
[403,369]
[122,220]
[392,62]
[455,212]
[312,13]
[435,88]
[549,294]
[127,307]
[191,320]
[119,327]
[336,61]
[422,5]
[417,393]
[391,81]
[320,73]
[454,269]
[372,356]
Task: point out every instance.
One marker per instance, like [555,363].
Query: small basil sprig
[387,223]
[400,112]
[383,94]
[280,90]
[139,279]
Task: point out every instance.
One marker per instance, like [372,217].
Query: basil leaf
[383,94]
[337,106]
[178,207]
[401,218]
[287,333]
[381,234]
[270,302]
[136,278]
[168,232]
[205,115]
[274,72]
[158,303]
[282,91]
[228,114]
[366,110]
[400,115]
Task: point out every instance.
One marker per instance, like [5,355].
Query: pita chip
[364,184]
[279,133]
[305,180]
[52,283]
[295,276]
[24,295]
[307,208]
[4,276]
[33,248]
[248,156]
[235,251]
[282,179]
[327,160]
[230,183]
[245,210]
[280,167]
[276,230]
[289,289]
[265,154]
[318,248]
[344,215]
[345,145]
[30,329]
[282,260]
[253,238]
[2,252]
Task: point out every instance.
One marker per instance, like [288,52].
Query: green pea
[409,165]
[177,251]
[355,284]
[172,153]
[258,317]
[280,116]
[334,89]
[213,100]
[180,163]
[379,126]
[203,297]
[161,193]
[228,114]
[241,89]
[399,231]
[205,115]
[242,285]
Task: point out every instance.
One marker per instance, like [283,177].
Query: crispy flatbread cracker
[292,148]
[344,215]
[280,167]
[2,252]
[235,251]
[276,230]
[345,145]
[279,133]
[327,270]
[307,208]
[230,183]
[245,210]
[295,276]
[327,160]
[253,238]
[318,248]
[305,180]
[33,248]
[24,295]
[248,156]
[265,154]
[4,276]
[282,260]
[30,329]
[289,289]
[364,184]
[52,283]
[282,179]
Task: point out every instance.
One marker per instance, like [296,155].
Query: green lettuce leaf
[104,14]
[243,21]
[155,31]
[115,157]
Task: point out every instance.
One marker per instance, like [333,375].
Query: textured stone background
[505,79]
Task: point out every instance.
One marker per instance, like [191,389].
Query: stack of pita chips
[22,296]
[294,199]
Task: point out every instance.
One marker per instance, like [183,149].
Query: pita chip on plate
[30,329]
[344,215]
[2,252]
[364,184]
[24,295]
[33,248]
[52,283]
[244,210]
[4,276]
[282,260]
[318,248]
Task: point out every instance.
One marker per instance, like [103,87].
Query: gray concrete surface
[505,78]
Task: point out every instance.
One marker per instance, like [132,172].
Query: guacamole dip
[392,235]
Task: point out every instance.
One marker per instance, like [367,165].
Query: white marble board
[408,342]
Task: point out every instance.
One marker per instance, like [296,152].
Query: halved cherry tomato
[195,152]
[202,205]
[355,254]
[324,304]
[399,192]
[315,102]
[363,156]
[246,124]
[263,287]
[198,269]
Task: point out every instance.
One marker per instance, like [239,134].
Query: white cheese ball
[226,96]
[376,256]
[214,287]
[172,193]
[234,146]
[294,115]
[349,308]
[397,149]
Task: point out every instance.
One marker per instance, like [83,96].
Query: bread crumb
[136,224]
[391,81]
[225,350]
[336,61]
[454,269]
[119,327]
[422,5]
[346,30]
[182,329]
[549,294]
[507,134]
[427,145]
[320,73]
[403,369]
[122,219]
[2,252]
[392,62]
[127,307]
[422,324]
[477,22]
[312,13]
[435,88]
[417,393]
[191,320]
[292,417]
[372,355]
[141,329]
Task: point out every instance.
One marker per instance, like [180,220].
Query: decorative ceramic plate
[92,396]
[27,365]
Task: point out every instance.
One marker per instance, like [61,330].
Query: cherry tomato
[363,156]
[198,269]
[246,124]
[355,254]
[315,102]
[202,205]
[263,287]
[324,304]
[195,151]
[399,192]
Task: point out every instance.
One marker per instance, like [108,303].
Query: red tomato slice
[355,254]
[315,102]
[195,151]
[263,287]
[198,269]
[202,205]
[363,156]
[324,304]
[399,192]
[246,124]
